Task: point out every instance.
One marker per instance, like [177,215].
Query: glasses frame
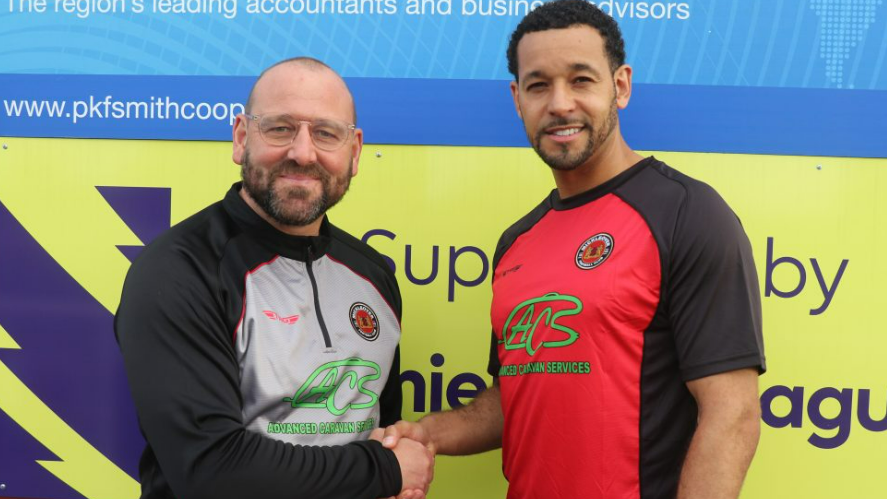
[351,127]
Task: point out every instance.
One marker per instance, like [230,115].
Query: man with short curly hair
[626,311]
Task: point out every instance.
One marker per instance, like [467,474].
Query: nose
[302,149]
[561,102]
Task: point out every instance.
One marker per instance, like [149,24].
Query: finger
[430,476]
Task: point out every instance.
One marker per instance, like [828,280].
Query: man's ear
[622,82]
[356,148]
[515,94]
[239,135]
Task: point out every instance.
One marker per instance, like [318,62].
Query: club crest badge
[594,251]
[364,321]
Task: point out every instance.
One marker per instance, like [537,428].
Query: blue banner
[749,43]
[820,122]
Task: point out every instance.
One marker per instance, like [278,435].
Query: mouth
[564,133]
[298,179]
[298,176]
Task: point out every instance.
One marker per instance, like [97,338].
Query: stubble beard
[564,159]
[293,206]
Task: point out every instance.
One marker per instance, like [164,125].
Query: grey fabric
[282,357]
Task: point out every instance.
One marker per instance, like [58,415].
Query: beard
[563,158]
[293,206]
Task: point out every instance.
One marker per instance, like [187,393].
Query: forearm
[205,452]
[471,429]
[719,456]
[346,472]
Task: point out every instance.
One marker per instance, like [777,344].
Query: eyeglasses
[282,129]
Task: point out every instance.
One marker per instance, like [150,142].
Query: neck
[612,158]
[312,229]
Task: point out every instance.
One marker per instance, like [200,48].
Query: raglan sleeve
[391,400]
[715,303]
[183,375]
[505,240]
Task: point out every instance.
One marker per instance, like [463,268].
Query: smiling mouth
[299,174]
[298,180]
[564,132]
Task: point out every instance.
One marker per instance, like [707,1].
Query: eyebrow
[575,67]
[579,66]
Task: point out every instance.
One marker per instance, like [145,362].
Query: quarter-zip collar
[302,248]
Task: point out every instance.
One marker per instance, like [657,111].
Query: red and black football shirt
[604,305]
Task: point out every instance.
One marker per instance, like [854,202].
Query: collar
[599,191]
[302,248]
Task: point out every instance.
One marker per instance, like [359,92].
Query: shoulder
[187,252]
[678,207]
[353,251]
[365,261]
[664,187]
[693,194]
[523,225]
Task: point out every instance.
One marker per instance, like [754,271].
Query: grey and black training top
[259,362]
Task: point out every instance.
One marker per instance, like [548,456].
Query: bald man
[261,341]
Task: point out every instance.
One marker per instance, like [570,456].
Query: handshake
[470,429]
[415,451]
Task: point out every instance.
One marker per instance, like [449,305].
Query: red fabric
[575,435]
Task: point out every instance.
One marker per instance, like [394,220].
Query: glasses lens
[329,135]
[278,130]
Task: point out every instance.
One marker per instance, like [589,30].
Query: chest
[315,344]
[579,278]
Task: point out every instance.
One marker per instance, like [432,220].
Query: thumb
[392,436]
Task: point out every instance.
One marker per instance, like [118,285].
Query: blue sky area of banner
[751,120]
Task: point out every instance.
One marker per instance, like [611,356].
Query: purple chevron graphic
[68,358]
[145,210]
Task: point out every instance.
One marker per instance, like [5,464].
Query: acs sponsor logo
[322,388]
[520,328]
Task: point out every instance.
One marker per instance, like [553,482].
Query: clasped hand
[415,452]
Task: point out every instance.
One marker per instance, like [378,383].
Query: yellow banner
[437,212]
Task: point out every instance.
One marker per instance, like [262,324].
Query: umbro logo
[274,317]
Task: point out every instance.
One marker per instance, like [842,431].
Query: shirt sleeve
[184,379]
[493,365]
[714,299]
[391,401]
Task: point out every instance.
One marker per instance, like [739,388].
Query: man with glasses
[261,341]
